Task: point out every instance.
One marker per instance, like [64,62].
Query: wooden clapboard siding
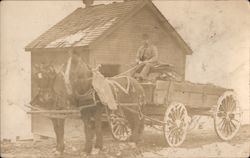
[121,45]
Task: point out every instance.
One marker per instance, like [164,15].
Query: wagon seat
[163,71]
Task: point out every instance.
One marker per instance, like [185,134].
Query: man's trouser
[144,69]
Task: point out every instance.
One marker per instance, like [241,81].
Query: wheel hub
[178,123]
[229,116]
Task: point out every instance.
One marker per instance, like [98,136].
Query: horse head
[81,77]
[44,76]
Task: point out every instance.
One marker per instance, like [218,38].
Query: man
[146,58]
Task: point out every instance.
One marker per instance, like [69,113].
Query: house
[110,35]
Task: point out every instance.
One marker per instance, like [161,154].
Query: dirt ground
[199,143]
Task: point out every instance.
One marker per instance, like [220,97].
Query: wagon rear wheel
[227,117]
[176,124]
[119,125]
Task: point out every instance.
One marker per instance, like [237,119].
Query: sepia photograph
[125,78]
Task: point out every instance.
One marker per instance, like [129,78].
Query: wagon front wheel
[176,124]
[227,117]
[119,125]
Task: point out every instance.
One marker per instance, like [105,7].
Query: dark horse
[71,86]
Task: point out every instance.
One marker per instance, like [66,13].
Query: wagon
[172,104]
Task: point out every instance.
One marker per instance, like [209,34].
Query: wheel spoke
[224,129]
[116,130]
[173,114]
[232,125]
[227,129]
[114,127]
[173,136]
[178,112]
[115,123]
[236,120]
[236,113]
[169,137]
[170,122]
[232,104]
[223,105]
[230,128]
[223,124]
[220,123]
[221,114]
[222,108]
[121,131]
[227,104]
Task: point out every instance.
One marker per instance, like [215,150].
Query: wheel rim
[176,124]
[228,116]
[119,126]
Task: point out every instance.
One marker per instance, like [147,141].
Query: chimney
[88,3]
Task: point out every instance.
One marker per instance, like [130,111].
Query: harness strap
[86,106]
[90,92]
[116,84]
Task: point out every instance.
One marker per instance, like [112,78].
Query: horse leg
[135,133]
[58,125]
[137,126]
[141,128]
[55,126]
[132,123]
[88,129]
[98,127]
[61,123]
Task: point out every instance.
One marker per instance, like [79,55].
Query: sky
[217,32]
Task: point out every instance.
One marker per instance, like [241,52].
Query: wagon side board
[196,96]
[199,99]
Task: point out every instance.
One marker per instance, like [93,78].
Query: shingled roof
[86,25]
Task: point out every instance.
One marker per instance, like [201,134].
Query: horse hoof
[95,151]
[138,153]
[58,153]
[84,154]
[132,145]
[119,154]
